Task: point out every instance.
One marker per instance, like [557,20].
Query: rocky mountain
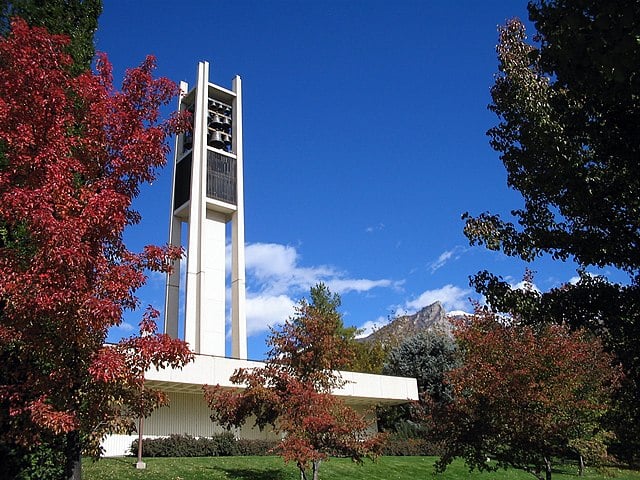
[429,318]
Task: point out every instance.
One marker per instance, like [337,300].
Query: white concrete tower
[208,194]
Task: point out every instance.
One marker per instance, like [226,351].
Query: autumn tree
[73,154]
[568,106]
[524,395]
[78,19]
[292,392]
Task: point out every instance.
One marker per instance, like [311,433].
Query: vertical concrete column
[213,291]
[238,295]
[197,213]
[172,291]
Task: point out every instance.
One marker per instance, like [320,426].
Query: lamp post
[140,465]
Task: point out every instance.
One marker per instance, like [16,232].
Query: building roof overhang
[359,389]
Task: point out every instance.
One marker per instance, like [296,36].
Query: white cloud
[445,257]
[574,280]
[275,268]
[526,286]
[355,285]
[276,281]
[374,228]
[156,279]
[270,259]
[265,311]
[451,297]
[126,327]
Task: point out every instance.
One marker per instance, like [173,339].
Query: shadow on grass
[250,473]
[117,460]
[124,460]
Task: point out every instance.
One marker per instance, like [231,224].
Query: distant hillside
[432,317]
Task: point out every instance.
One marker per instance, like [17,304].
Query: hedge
[225,444]
[219,445]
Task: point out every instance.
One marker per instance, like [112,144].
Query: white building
[207,195]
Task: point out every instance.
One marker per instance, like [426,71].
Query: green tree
[427,357]
[78,19]
[364,357]
[569,137]
[325,302]
[368,357]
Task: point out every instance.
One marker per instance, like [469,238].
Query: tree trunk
[316,469]
[140,426]
[303,476]
[74,466]
[580,466]
[547,468]
[140,465]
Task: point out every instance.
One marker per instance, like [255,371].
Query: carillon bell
[220,122]
[218,139]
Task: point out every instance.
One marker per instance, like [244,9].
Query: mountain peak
[431,317]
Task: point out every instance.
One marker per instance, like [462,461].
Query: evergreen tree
[427,357]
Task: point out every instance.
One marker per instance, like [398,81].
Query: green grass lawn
[273,468]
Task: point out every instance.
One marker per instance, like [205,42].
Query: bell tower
[207,196]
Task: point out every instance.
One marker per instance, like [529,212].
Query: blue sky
[364,137]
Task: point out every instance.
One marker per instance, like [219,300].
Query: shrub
[219,445]
[256,447]
[401,446]
[45,461]
[225,444]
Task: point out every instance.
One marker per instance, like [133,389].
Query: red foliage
[73,153]
[292,394]
[524,394]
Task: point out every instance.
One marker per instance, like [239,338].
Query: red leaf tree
[292,392]
[73,154]
[524,395]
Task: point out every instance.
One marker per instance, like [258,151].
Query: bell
[216,139]
[219,122]
[214,120]
[227,142]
